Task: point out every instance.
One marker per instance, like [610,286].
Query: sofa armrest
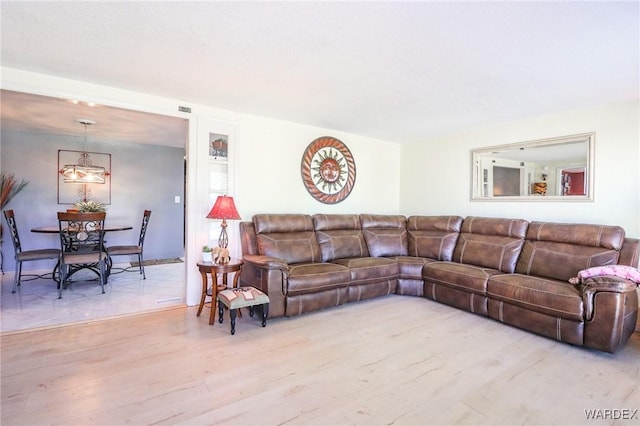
[607,283]
[269,275]
[267,262]
[611,311]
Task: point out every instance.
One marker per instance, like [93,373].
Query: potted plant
[207,255]
[89,206]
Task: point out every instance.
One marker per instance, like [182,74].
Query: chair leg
[103,268]
[63,279]
[16,279]
[141,263]
[56,273]
[109,264]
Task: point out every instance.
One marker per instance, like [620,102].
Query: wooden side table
[214,269]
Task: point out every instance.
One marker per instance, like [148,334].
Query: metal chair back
[143,227]
[81,232]
[13,230]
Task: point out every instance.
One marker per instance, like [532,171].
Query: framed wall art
[218,146]
[328,170]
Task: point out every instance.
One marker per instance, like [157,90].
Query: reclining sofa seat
[288,266]
[539,297]
[429,239]
[343,242]
[485,247]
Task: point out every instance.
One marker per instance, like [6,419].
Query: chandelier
[84,171]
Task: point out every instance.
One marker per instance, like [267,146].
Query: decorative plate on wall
[328,170]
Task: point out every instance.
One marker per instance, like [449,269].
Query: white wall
[436,175]
[269,154]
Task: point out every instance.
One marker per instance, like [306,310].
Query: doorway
[572,182]
[148,162]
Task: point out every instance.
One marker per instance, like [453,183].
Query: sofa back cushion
[433,236]
[561,250]
[386,235]
[490,242]
[339,236]
[287,236]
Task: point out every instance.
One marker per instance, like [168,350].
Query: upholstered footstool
[242,297]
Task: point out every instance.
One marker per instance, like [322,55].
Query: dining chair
[131,250]
[82,246]
[28,255]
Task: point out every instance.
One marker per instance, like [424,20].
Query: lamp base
[223,240]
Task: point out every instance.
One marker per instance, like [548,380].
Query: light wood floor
[392,360]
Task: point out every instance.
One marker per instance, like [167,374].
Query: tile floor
[36,303]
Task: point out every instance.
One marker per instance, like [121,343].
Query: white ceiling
[398,71]
[28,112]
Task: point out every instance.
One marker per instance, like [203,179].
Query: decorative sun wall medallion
[328,170]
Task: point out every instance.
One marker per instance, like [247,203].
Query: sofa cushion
[270,223]
[490,243]
[609,237]
[287,236]
[293,247]
[410,267]
[315,277]
[341,244]
[339,236]
[433,236]
[370,269]
[329,222]
[469,278]
[550,297]
[386,235]
[560,251]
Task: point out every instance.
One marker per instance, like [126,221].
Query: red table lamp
[224,208]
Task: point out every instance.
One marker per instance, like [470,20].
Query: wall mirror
[556,169]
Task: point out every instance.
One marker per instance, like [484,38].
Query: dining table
[55,229]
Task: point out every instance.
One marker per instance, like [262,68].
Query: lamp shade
[224,208]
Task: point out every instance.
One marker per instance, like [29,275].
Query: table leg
[235,279]
[214,295]
[203,276]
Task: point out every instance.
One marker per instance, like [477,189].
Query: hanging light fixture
[84,171]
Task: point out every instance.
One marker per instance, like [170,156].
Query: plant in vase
[89,207]
[207,254]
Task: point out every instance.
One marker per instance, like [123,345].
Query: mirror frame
[476,155]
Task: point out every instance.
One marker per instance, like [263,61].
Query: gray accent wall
[143,177]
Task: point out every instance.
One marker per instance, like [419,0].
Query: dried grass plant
[9,187]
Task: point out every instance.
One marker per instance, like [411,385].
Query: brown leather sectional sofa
[510,270]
